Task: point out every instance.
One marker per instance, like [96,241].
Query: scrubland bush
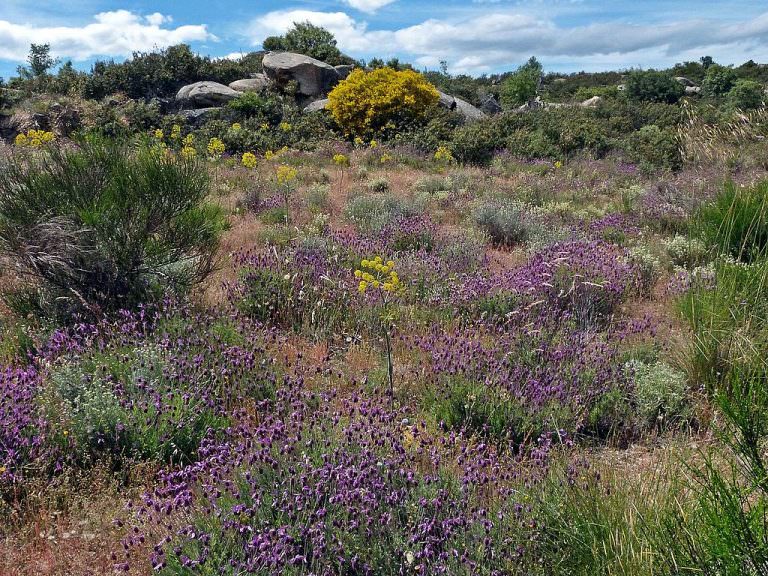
[660,394]
[506,222]
[653,86]
[372,212]
[686,252]
[654,148]
[365,102]
[103,226]
[746,95]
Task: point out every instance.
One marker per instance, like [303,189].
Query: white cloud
[368,5]
[503,39]
[116,33]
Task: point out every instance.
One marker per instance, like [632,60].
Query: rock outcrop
[206,94]
[314,78]
[460,106]
[317,105]
[258,83]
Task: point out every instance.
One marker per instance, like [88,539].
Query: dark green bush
[718,81]
[477,143]
[653,86]
[104,226]
[746,95]
[654,148]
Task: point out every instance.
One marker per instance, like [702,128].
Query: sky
[473,36]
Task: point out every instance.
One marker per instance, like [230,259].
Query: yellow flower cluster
[249,160]
[359,141]
[158,134]
[176,132]
[188,147]
[367,101]
[379,275]
[373,144]
[340,160]
[34,138]
[558,164]
[285,126]
[385,158]
[286,174]
[236,126]
[443,155]
[215,148]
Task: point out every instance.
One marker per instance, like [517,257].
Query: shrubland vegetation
[383,339]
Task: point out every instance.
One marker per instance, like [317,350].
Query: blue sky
[474,37]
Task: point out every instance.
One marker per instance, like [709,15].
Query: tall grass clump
[105,226]
[736,222]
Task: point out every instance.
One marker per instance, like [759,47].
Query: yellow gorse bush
[378,275]
[249,160]
[34,138]
[365,102]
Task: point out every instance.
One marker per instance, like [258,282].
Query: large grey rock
[258,83]
[314,77]
[206,94]
[317,105]
[447,101]
[344,70]
[685,81]
[468,111]
[593,102]
[460,106]
[692,90]
[490,105]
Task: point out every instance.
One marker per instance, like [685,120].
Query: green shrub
[654,148]
[378,185]
[746,95]
[653,86]
[104,226]
[476,143]
[306,38]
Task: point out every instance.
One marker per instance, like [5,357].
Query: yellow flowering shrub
[249,160]
[367,101]
[34,138]
[215,148]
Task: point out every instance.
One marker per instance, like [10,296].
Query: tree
[310,40]
[706,61]
[522,85]
[746,95]
[39,62]
[653,86]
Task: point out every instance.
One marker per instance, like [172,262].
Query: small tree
[522,85]
[653,86]
[306,38]
[105,226]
